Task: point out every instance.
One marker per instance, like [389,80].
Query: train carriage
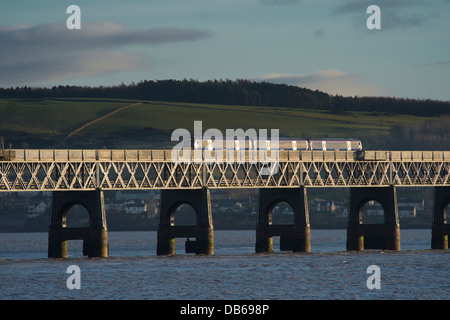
[281,144]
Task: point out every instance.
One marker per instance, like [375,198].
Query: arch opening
[184,215]
[372,212]
[76,216]
[281,213]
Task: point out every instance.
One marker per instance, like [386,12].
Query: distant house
[133,207]
[114,205]
[407,211]
[238,206]
[320,205]
[36,209]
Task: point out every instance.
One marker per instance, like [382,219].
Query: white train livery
[325,144]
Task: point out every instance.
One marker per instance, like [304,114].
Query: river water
[133,271]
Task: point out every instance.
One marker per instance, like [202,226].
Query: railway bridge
[81,177]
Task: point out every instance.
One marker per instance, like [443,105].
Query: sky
[317,44]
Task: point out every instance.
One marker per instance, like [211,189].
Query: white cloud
[330,81]
[69,66]
[433,64]
[47,52]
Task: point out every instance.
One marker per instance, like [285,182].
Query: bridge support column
[295,237]
[440,228]
[373,236]
[95,237]
[200,200]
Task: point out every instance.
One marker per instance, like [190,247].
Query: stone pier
[295,237]
[440,228]
[203,231]
[95,237]
[384,236]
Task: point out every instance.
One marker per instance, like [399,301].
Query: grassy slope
[42,118]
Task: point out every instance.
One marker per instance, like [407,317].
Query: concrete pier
[440,229]
[295,237]
[384,236]
[95,237]
[203,231]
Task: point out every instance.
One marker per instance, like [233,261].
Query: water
[133,271]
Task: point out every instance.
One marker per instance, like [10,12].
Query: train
[325,144]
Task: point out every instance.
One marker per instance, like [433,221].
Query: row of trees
[389,105]
[431,134]
[238,92]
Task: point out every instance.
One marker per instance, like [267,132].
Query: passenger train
[325,144]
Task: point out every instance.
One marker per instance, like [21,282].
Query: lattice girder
[153,169]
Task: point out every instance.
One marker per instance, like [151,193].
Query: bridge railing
[195,156]
[218,156]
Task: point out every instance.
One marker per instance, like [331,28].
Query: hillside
[238,92]
[144,115]
[117,123]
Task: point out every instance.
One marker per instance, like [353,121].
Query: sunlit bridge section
[48,170]
[282,177]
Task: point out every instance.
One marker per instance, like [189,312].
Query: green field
[36,123]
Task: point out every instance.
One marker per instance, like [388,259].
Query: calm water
[133,271]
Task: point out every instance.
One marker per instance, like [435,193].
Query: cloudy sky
[318,44]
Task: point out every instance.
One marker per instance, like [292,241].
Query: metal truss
[50,170]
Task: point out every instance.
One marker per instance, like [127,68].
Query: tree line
[237,92]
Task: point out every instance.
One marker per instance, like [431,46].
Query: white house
[37,209]
[131,207]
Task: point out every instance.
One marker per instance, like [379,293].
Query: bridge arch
[372,212]
[294,236]
[202,230]
[280,212]
[384,235]
[183,213]
[94,234]
[71,214]
[443,210]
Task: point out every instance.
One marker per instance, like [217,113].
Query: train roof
[291,139]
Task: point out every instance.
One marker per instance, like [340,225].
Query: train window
[210,145]
[253,144]
[324,145]
[294,145]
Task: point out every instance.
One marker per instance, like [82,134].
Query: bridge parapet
[220,155]
[194,156]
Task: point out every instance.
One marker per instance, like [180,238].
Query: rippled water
[133,271]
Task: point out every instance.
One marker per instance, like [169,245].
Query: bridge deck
[62,169]
[33,155]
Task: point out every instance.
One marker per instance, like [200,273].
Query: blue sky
[318,44]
